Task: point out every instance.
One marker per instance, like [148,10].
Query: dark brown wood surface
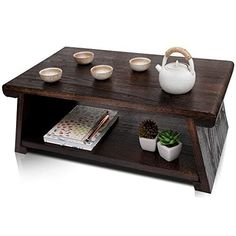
[127,89]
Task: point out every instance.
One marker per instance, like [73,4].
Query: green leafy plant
[169,138]
[148,129]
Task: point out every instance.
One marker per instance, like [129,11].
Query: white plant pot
[169,153]
[148,144]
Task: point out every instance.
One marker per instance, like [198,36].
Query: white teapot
[176,77]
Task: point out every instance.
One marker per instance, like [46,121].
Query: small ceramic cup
[84,57]
[51,74]
[101,72]
[139,63]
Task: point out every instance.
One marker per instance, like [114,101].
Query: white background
[40,195]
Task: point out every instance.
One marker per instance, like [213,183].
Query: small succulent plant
[148,129]
[169,138]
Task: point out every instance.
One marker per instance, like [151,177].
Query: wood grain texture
[211,143]
[127,89]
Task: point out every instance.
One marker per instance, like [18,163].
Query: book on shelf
[83,127]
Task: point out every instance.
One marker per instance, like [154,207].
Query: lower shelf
[119,147]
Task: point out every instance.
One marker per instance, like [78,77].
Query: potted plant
[169,145]
[148,132]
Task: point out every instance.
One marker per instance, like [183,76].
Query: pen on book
[94,127]
[103,121]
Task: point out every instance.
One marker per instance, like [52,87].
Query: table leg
[203,184]
[208,144]
[19,125]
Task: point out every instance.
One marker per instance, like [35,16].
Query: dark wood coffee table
[199,115]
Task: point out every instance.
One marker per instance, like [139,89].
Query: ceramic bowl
[139,63]
[101,72]
[84,57]
[51,74]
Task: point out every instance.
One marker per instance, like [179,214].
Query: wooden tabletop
[128,89]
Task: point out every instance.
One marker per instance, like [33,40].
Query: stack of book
[83,127]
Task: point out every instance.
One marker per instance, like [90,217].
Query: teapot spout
[159,68]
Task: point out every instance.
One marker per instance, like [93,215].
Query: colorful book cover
[78,123]
[87,145]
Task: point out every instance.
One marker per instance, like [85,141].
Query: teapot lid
[177,66]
